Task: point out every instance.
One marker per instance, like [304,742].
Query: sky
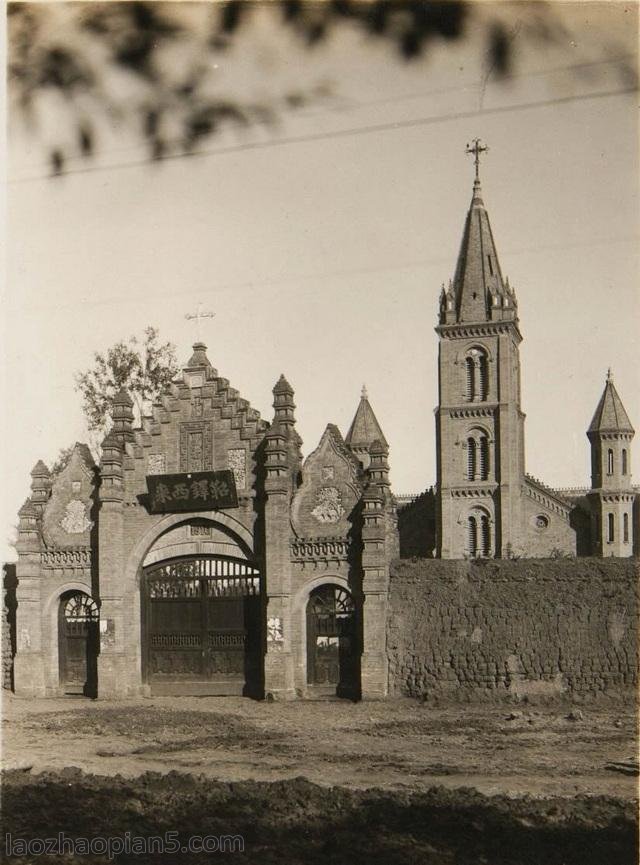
[321,246]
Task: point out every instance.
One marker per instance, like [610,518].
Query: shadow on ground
[299,822]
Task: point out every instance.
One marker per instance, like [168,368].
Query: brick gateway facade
[283,594]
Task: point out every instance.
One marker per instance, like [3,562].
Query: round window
[542,522]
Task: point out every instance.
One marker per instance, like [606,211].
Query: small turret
[283,404]
[283,457]
[111,488]
[379,465]
[40,485]
[29,537]
[122,414]
[610,434]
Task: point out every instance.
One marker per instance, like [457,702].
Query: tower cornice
[466,331]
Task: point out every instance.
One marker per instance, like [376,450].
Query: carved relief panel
[196,446]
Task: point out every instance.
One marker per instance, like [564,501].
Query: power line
[345,133]
[349,105]
[233,288]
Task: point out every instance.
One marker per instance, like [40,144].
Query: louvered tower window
[471,459]
[470,379]
[610,528]
[472,537]
[482,377]
[477,455]
[485,536]
[625,528]
[476,375]
[483,461]
[625,468]
[609,462]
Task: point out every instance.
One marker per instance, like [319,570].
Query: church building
[486,503]
[204,555]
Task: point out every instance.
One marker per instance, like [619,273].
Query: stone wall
[535,628]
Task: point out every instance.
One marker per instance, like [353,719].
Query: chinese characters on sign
[195,491]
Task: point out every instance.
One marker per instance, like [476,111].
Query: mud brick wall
[536,628]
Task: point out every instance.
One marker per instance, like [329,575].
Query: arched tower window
[472,537]
[625,528]
[478,535]
[610,528]
[477,455]
[476,375]
[470,379]
[485,536]
[625,467]
[471,459]
[609,462]
[483,461]
[483,372]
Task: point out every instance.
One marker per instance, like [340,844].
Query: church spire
[479,293]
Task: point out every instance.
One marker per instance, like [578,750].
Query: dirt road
[391,744]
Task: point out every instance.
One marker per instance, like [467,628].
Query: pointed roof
[610,415]
[27,509]
[282,385]
[478,273]
[40,470]
[364,429]
[123,397]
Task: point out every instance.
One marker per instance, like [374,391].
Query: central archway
[201,626]
[332,642]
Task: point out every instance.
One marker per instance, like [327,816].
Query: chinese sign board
[196,491]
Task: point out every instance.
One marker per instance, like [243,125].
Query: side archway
[78,643]
[332,641]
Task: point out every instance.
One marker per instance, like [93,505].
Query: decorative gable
[67,518]
[331,487]
[200,424]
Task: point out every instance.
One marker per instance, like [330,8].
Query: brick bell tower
[479,422]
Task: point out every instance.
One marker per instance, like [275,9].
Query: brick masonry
[535,628]
[327,521]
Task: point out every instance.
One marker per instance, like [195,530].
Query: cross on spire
[197,316]
[477,147]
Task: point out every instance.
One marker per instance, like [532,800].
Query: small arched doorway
[332,642]
[78,643]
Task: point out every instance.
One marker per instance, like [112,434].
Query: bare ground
[335,782]
[391,744]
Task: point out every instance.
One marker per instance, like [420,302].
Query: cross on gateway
[197,316]
[477,147]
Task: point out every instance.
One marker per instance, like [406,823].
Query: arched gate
[201,626]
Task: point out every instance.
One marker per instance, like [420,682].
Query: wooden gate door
[332,657]
[201,627]
[78,643]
